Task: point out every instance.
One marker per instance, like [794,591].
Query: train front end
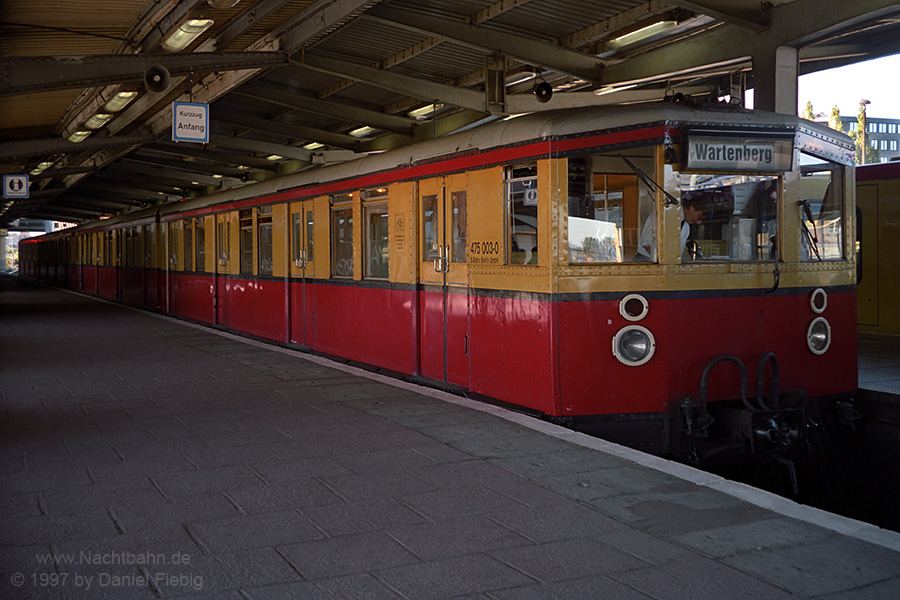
[706,287]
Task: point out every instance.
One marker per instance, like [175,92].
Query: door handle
[439,260]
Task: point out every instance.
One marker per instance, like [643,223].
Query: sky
[876,80]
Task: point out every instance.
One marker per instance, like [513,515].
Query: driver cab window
[821,208]
[726,217]
[611,210]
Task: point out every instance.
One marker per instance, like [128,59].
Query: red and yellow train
[878,232]
[678,278]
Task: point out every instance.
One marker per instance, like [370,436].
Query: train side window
[265,261]
[297,239]
[188,245]
[310,228]
[246,241]
[149,235]
[430,242]
[611,213]
[522,212]
[108,256]
[134,246]
[377,240]
[375,215]
[458,226]
[223,229]
[342,237]
[200,244]
[821,209]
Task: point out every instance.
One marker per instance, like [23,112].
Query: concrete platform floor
[143,457]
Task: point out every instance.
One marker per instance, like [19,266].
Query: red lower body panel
[511,348]
[370,325]
[195,297]
[689,334]
[256,306]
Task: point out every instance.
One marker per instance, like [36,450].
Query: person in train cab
[692,215]
[692,212]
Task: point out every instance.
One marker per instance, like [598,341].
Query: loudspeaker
[543,91]
[156,78]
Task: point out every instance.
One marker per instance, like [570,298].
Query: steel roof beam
[30,148]
[287,129]
[311,104]
[527,50]
[187,179]
[494,10]
[127,198]
[105,203]
[727,12]
[188,166]
[794,24]
[127,189]
[262,147]
[403,84]
[244,21]
[50,173]
[318,20]
[73,212]
[218,156]
[45,73]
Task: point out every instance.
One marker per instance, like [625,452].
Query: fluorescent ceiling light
[41,167]
[362,131]
[119,101]
[98,120]
[186,33]
[313,146]
[640,34]
[425,111]
[611,89]
[78,136]
[274,157]
[520,78]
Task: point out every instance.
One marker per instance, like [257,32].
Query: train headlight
[633,345]
[818,301]
[818,336]
[634,307]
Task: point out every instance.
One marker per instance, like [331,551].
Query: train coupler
[768,432]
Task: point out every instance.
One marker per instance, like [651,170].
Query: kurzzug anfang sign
[737,153]
[190,122]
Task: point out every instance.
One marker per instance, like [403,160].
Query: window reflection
[821,207]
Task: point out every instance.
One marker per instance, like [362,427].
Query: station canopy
[87,88]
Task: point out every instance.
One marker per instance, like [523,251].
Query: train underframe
[786,441]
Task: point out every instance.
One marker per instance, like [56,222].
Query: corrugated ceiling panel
[263,26]
[369,41]
[551,19]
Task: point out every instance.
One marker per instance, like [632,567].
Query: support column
[775,80]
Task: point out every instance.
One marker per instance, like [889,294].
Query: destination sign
[715,153]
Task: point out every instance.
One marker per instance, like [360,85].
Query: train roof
[876,171]
[510,131]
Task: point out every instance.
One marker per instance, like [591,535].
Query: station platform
[144,457]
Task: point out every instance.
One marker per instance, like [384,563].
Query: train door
[443,279]
[224,224]
[867,288]
[301,291]
[171,265]
[119,259]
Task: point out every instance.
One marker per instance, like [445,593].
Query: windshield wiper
[670,199]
